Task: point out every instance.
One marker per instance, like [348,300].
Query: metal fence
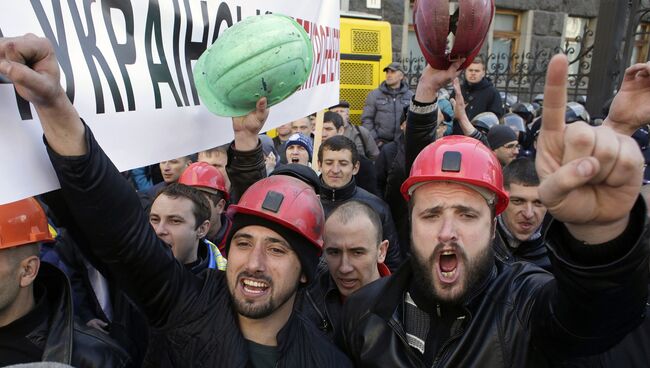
[523,75]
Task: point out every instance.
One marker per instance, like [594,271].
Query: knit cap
[500,135]
[301,140]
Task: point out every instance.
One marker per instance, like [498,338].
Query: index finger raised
[555,98]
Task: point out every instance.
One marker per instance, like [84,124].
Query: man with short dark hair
[384,105]
[338,160]
[521,226]
[358,134]
[355,254]
[479,93]
[332,125]
[366,177]
[242,317]
[180,216]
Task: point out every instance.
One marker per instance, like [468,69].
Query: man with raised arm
[243,317]
[454,304]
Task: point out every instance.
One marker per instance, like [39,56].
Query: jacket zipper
[442,352]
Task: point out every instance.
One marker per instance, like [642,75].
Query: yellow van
[366,48]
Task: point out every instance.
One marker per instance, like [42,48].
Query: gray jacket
[364,141]
[383,109]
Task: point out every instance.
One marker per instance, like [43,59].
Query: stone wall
[548,17]
[577,8]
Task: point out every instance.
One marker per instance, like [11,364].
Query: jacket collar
[220,239]
[514,243]
[203,257]
[483,83]
[392,292]
[393,92]
[340,194]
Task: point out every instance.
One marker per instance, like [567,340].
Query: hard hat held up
[262,56]
[469,24]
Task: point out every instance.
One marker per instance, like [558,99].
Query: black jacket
[127,326]
[391,173]
[481,97]
[193,313]
[332,198]
[64,339]
[321,304]
[533,251]
[244,168]
[366,178]
[520,316]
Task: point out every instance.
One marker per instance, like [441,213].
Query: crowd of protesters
[447,230]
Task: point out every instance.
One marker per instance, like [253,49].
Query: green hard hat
[265,55]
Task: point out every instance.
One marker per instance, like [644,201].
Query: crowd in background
[163,265]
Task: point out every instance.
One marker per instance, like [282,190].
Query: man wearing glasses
[504,144]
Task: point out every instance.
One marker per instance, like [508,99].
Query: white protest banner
[127,67]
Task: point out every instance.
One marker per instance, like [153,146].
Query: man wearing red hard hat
[454,304]
[244,316]
[36,309]
[212,183]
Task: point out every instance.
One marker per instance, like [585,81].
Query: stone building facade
[537,23]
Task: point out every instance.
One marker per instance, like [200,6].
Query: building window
[505,39]
[575,31]
[641,44]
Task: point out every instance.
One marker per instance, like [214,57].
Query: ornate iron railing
[523,75]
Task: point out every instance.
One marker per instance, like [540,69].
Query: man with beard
[455,305]
[233,319]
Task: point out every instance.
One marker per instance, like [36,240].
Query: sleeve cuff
[589,255]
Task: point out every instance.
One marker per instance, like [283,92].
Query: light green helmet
[266,55]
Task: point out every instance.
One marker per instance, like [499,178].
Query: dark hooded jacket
[531,250]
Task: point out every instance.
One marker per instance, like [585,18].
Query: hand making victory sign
[590,176]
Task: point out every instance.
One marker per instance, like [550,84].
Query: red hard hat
[204,175]
[23,222]
[431,21]
[288,202]
[457,158]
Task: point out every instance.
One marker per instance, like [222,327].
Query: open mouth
[347,283]
[448,266]
[525,225]
[295,160]
[254,287]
